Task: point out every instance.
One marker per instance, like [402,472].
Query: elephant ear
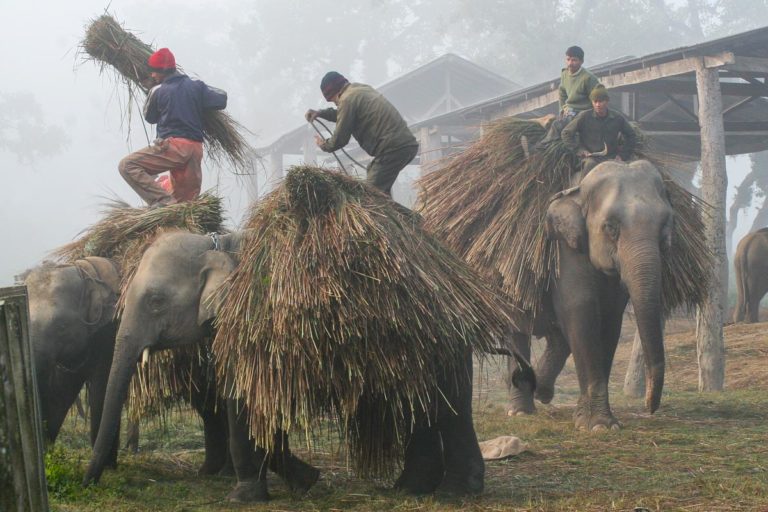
[565,222]
[101,281]
[217,265]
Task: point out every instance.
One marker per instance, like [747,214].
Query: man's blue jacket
[177,106]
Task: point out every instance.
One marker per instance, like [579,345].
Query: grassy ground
[699,452]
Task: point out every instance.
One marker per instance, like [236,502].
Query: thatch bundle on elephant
[122,235]
[489,203]
[572,250]
[108,44]
[343,305]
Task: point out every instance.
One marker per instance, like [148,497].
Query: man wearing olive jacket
[373,121]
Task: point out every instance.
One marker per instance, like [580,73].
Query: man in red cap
[176,104]
[374,122]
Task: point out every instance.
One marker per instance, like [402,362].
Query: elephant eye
[155,303]
[611,230]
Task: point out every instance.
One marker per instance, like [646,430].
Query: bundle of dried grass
[343,305]
[125,232]
[489,203]
[109,44]
[167,380]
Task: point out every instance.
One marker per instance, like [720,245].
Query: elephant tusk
[145,357]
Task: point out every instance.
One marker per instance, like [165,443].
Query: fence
[22,471]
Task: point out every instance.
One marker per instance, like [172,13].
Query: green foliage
[63,474]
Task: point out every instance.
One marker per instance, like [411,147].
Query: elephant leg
[424,467]
[97,389]
[62,392]
[550,365]
[297,474]
[249,462]
[215,429]
[520,398]
[464,466]
[753,303]
[577,308]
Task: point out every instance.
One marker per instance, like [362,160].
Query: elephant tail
[524,373]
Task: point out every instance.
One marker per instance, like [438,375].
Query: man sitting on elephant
[598,133]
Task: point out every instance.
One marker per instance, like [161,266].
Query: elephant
[612,232]
[751,265]
[167,306]
[72,332]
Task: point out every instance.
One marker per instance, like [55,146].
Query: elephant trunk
[642,276]
[123,366]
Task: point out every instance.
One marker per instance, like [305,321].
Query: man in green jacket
[576,82]
[374,122]
[598,132]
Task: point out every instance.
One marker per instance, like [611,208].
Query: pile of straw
[125,232]
[344,306]
[109,44]
[489,204]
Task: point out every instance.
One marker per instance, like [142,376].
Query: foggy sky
[46,203]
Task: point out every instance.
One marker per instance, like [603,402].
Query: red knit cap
[162,60]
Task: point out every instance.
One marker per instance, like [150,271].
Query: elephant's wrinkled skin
[166,306]
[611,233]
[72,332]
[751,265]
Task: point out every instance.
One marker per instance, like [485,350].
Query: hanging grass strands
[109,45]
[343,306]
[489,204]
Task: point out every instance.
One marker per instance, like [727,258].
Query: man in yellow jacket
[366,115]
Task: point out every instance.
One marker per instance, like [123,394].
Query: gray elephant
[751,265]
[167,306]
[611,233]
[72,331]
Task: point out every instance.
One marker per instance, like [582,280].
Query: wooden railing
[22,470]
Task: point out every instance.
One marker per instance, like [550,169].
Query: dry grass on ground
[699,452]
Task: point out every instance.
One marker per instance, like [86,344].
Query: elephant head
[71,308]
[620,217]
[166,305]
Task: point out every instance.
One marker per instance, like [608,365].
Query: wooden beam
[710,347]
[679,104]
[656,111]
[741,64]
[738,104]
[731,127]
[689,87]
[654,72]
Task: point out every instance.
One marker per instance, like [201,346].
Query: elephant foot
[211,467]
[227,469]
[521,401]
[249,492]
[595,422]
[297,474]
[544,393]
[468,482]
[421,476]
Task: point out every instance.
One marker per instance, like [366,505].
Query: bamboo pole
[22,471]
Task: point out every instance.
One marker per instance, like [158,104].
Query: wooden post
[430,147]
[634,380]
[275,170]
[22,469]
[309,148]
[709,321]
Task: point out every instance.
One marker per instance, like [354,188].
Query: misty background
[64,125]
